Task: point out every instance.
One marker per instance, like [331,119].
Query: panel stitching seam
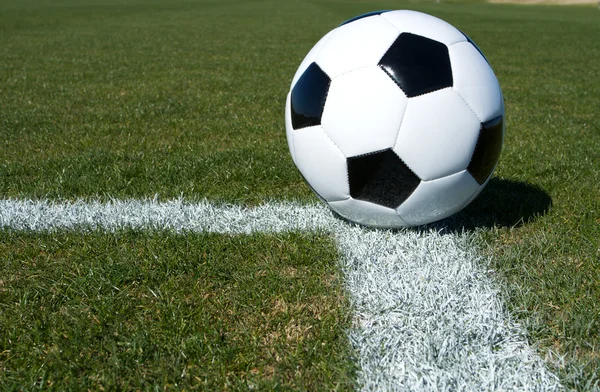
[343,156]
[457,42]
[465,101]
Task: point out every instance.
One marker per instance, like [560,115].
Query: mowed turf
[115,99]
[136,98]
[157,310]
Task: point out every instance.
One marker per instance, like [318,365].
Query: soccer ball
[395,119]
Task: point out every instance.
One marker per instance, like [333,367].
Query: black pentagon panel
[381,178]
[364,16]
[487,150]
[308,97]
[417,64]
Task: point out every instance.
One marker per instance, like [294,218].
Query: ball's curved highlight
[395,119]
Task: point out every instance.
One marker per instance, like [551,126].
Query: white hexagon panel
[437,199]
[356,45]
[363,111]
[424,25]
[475,81]
[321,163]
[367,213]
[438,134]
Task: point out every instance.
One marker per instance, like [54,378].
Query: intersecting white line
[427,313]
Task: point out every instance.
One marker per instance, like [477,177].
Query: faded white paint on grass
[427,314]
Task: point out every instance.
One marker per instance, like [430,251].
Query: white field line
[427,314]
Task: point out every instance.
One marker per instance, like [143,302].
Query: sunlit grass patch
[139,310]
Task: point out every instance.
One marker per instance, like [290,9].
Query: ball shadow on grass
[503,203]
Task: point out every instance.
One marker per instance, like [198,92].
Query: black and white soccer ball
[395,118]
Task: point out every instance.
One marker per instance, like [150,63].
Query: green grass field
[104,99]
[136,310]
